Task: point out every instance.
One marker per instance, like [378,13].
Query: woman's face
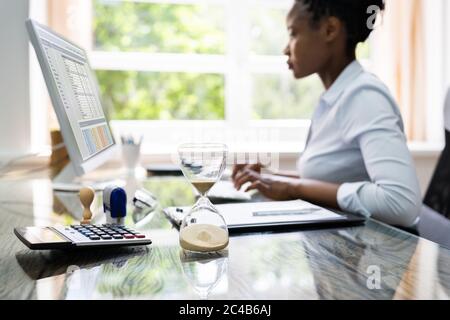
[307,49]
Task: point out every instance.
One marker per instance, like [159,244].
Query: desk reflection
[422,279]
[315,264]
[204,272]
[136,273]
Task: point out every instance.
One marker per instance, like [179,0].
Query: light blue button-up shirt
[357,140]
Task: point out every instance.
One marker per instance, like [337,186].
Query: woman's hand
[284,188]
[281,188]
[272,187]
[241,167]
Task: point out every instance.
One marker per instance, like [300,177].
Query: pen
[131,140]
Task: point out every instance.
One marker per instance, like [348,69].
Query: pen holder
[131,154]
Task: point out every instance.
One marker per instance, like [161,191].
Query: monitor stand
[68,181]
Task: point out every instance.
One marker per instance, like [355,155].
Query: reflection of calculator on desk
[80,236]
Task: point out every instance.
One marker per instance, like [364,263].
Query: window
[199,60]
[153,29]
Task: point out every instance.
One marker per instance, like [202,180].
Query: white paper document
[261,213]
[226,190]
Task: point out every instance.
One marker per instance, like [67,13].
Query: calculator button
[117,236]
[94,237]
[139,236]
[128,236]
[106,237]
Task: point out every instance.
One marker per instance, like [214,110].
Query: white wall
[15,122]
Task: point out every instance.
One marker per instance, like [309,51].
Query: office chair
[434,223]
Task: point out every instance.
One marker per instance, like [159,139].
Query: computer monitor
[74,93]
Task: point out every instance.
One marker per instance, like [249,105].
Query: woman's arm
[321,193]
[287,174]
[371,120]
[392,195]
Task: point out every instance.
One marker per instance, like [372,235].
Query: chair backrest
[434,226]
[438,193]
[434,223]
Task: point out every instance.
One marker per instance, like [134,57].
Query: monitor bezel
[80,165]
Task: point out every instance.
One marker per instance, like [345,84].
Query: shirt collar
[337,88]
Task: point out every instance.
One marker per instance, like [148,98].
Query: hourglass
[203,229]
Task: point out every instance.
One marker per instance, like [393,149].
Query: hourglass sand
[203,229]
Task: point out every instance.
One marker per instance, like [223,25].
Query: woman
[356,157]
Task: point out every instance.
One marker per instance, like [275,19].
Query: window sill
[425,149]
[289,149]
[262,136]
[159,153]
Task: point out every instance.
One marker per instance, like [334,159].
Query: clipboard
[274,216]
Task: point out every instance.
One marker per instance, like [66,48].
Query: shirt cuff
[349,200]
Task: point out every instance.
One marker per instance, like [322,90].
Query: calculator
[80,236]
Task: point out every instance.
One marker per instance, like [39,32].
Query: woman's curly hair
[353,13]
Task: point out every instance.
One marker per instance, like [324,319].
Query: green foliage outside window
[158,28]
[131,95]
[197,29]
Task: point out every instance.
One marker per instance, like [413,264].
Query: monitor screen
[75,84]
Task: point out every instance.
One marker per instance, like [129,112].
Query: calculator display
[44,235]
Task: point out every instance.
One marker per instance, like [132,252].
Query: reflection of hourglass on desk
[204,273]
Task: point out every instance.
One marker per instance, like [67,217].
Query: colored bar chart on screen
[97,138]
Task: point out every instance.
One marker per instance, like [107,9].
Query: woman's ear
[332,28]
